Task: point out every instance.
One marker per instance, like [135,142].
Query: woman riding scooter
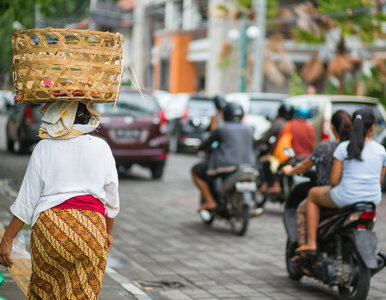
[357,174]
[321,158]
[230,145]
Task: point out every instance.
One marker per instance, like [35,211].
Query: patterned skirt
[69,253]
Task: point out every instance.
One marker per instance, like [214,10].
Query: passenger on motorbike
[218,118]
[285,113]
[357,173]
[321,158]
[303,139]
[229,145]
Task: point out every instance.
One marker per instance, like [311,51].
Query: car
[260,109]
[22,128]
[136,130]
[190,122]
[323,107]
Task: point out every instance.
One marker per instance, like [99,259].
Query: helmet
[219,102]
[233,112]
[302,112]
[286,111]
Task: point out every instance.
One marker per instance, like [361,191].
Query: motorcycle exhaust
[381,260]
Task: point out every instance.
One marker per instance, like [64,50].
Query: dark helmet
[219,102]
[303,112]
[233,112]
[286,111]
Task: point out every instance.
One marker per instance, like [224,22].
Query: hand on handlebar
[287,169]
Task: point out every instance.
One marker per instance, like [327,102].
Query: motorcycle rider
[285,113]
[218,118]
[229,145]
[321,158]
[303,139]
[357,174]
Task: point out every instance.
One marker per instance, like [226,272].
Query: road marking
[127,284]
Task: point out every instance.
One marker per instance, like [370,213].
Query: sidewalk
[9,289]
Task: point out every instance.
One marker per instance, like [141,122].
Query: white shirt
[61,169]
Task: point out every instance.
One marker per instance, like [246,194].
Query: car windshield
[201,107]
[264,107]
[131,104]
[350,108]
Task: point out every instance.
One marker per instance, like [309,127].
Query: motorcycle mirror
[272,139]
[289,152]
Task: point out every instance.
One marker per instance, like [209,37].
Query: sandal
[303,250]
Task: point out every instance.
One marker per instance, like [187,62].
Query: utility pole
[260,7]
[243,51]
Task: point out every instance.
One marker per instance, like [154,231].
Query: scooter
[345,256]
[286,182]
[234,194]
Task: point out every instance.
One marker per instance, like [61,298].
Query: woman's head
[82,114]
[363,125]
[341,123]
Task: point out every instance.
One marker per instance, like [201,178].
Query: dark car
[186,132]
[22,130]
[136,129]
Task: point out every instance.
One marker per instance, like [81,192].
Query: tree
[17,14]
[324,20]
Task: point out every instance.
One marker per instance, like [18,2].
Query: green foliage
[305,37]
[296,85]
[354,17]
[272,6]
[59,12]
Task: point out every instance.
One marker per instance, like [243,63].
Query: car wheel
[10,145]
[157,170]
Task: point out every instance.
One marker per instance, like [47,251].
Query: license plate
[128,133]
[249,186]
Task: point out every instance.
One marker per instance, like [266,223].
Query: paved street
[163,251]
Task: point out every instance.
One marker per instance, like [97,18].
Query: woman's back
[360,179]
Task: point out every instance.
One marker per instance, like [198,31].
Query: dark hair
[219,102]
[342,123]
[362,120]
[82,114]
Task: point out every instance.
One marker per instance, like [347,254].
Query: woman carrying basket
[69,195]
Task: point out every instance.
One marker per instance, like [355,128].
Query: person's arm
[303,167]
[214,136]
[7,240]
[109,229]
[336,172]
[383,174]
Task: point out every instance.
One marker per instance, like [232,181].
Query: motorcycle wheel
[239,214]
[206,216]
[293,269]
[359,287]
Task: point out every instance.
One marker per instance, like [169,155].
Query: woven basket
[66,64]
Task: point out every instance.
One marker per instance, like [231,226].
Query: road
[163,251]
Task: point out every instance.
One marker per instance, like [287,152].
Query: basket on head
[53,64]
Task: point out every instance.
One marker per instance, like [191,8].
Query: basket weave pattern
[66,64]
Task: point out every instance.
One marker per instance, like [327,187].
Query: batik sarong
[69,252]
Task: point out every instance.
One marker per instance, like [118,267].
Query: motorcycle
[235,195]
[286,182]
[345,255]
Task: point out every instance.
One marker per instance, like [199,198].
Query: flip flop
[303,250]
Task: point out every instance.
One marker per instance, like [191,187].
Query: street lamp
[242,36]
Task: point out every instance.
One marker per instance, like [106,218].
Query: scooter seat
[243,172]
